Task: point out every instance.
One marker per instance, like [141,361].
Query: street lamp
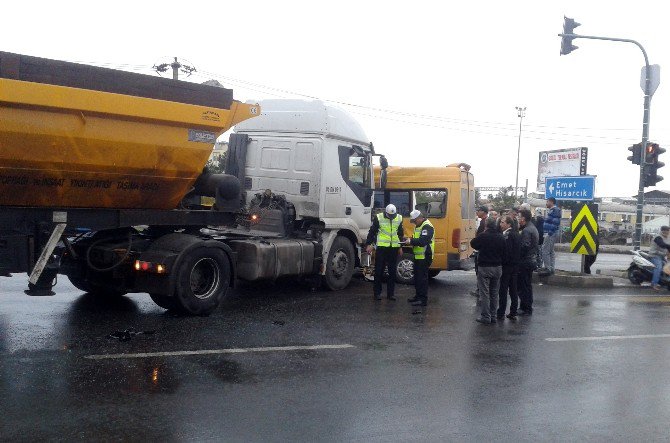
[521,113]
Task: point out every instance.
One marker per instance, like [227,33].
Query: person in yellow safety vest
[423,246]
[386,233]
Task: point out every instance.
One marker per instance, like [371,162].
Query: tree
[504,199]
[217,163]
[478,198]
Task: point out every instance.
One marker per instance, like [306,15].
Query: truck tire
[202,280]
[97,287]
[404,271]
[340,264]
[432,273]
[164,301]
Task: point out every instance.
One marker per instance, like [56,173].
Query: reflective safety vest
[420,251]
[388,231]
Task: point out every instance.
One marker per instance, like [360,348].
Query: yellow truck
[447,196]
[102,179]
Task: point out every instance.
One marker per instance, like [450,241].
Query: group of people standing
[508,251]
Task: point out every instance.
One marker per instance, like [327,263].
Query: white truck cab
[320,159]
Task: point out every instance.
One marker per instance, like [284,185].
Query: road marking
[618,295]
[609,337]
[217,351]
[631,298]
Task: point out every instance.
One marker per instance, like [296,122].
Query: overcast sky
[433,82]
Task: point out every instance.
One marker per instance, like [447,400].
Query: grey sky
[450,73]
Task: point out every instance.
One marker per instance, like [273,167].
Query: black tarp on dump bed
[75,75]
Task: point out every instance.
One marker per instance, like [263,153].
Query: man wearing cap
[386,232]
[423,245]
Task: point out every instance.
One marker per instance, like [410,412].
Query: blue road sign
[581,188]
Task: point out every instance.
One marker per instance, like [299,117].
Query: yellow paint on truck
[71,147]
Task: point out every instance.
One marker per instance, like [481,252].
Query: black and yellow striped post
[584,230]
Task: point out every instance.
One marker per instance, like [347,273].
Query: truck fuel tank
[273,258]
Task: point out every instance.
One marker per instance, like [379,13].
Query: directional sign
[585,230]
[581,188]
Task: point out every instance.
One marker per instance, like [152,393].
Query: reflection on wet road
[281,363]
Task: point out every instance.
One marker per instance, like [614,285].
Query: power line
[496,126]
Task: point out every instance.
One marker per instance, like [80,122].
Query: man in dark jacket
[423,243]
[491,247]
[510,269]
[527,261]
[539,224]
[552,224]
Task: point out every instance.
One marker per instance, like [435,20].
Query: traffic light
[651,153]
[652,164]
[636,158]
[569,25]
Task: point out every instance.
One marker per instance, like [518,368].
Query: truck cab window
[358,170]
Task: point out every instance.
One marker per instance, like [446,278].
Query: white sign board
[654,78]
[560,163]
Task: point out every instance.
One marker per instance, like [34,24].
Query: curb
[575,280]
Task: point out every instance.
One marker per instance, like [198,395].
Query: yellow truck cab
[447,196]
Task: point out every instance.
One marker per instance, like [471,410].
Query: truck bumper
[456,263]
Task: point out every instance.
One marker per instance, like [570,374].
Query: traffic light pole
[645,130]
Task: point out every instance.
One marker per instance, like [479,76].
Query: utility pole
[568,36]
[521,113]
[176,66]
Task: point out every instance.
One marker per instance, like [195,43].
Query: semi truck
[102,180]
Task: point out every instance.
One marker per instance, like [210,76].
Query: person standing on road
[491,247]
[386,232]
[423,245]
[527,261]
[658,250]
[589,260]
[510,269]
[483,214]
[539,224]
[551,225]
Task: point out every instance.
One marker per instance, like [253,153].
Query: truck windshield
[359,171]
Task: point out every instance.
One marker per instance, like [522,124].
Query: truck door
[355,166]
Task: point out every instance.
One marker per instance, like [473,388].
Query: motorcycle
[642,269]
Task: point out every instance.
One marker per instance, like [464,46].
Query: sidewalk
[612,249]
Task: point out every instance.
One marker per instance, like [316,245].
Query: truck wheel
[432,273]
[405,269]
[97,287]
[164,301]
[340,264]
[202,281]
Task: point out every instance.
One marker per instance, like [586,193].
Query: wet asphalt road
[432,376]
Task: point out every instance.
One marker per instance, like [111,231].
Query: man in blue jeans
[658,250]
[552,223]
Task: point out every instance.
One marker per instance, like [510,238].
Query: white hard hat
[414,214]
[391,210]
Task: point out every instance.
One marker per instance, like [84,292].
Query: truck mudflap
[271,259]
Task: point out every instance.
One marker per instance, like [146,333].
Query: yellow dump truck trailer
[101,179]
